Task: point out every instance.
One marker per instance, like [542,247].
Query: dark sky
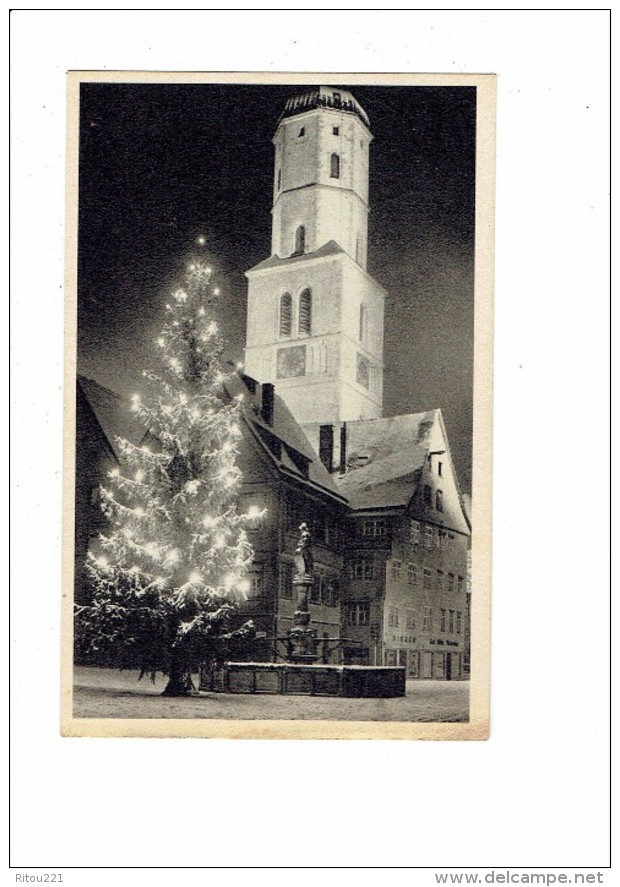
[161,164]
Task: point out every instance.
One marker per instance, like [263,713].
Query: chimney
[267,405]
[343,448]
[326,446]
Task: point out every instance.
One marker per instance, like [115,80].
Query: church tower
[315,316]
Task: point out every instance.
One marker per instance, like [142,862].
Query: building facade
[405,598]
[283,476]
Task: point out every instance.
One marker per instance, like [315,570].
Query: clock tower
[315,315]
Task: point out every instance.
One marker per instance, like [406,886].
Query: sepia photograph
[277,406]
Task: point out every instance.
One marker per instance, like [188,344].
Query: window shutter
[286,314]
[305,312]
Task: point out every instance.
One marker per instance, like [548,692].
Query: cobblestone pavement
[105,693]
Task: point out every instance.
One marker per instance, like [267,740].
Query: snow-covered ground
[104,693]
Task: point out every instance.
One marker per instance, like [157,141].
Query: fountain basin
[294,679]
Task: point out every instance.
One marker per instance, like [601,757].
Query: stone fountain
[301,674]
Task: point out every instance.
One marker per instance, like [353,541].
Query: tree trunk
[180,679]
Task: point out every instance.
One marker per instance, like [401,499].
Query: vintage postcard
[278,405]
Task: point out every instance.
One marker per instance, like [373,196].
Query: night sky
[162,164]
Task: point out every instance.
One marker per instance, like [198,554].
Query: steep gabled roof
[112,412]
[331,248]
[284,440]
[387,464]
[384,458]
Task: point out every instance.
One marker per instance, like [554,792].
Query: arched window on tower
[305,312]
[300,241]
[335,166]
[286,314]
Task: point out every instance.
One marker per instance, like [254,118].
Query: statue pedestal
[302,640]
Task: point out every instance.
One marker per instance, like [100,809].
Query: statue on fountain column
[304,561]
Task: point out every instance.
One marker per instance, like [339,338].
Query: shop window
[439,663]
[390,657]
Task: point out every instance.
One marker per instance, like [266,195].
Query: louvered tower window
[305,312]
[286,314]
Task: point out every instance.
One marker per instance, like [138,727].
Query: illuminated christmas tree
[172,567]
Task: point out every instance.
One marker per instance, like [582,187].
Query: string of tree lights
[172,567]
